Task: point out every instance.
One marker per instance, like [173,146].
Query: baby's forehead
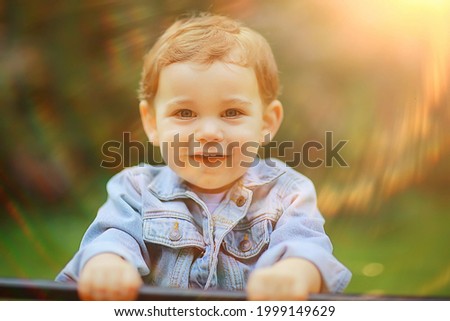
[213,71]
[198,81]
[193,70]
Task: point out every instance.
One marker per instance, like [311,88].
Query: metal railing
[29,289]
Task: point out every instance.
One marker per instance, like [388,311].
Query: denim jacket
[152,219]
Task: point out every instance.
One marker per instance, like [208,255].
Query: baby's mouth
[209,158]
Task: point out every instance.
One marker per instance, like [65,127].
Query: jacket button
[175,235]
[245,245]
[240,201]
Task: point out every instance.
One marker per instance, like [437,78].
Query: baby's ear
[272,117]
[149,121]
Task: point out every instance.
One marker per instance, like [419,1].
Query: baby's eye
[185,113]
[232,113]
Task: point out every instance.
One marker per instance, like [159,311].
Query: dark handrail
[28,289]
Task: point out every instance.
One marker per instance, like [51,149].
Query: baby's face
[209,122]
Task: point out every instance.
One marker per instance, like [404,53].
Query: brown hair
[207,38]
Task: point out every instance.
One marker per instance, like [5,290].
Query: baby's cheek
[247,151]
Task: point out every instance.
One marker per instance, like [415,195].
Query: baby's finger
[259,286]
[84,290]
[101,284]
[87,286]
[131,284]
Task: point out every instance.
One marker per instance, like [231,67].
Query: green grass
[400,249]
[37,242]
[408,238]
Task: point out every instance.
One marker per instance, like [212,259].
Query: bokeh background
[375,73]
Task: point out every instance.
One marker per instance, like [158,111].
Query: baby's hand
[289,279]
[109,277]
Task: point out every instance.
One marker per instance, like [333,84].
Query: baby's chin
[206,187]
[210,188]
[206,179]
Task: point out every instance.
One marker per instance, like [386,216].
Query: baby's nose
[208,130]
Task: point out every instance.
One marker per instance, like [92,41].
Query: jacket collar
[168,185]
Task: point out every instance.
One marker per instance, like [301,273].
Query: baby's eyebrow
[237,102]
[180,102]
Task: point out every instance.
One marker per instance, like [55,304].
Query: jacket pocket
[175,230]
[249,240]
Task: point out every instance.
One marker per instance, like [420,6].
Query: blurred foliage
[375,73]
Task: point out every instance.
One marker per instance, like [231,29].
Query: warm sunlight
[412,39]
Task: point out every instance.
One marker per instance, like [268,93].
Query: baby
[217,216]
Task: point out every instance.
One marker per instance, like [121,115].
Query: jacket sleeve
[116,229]
[299,232]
